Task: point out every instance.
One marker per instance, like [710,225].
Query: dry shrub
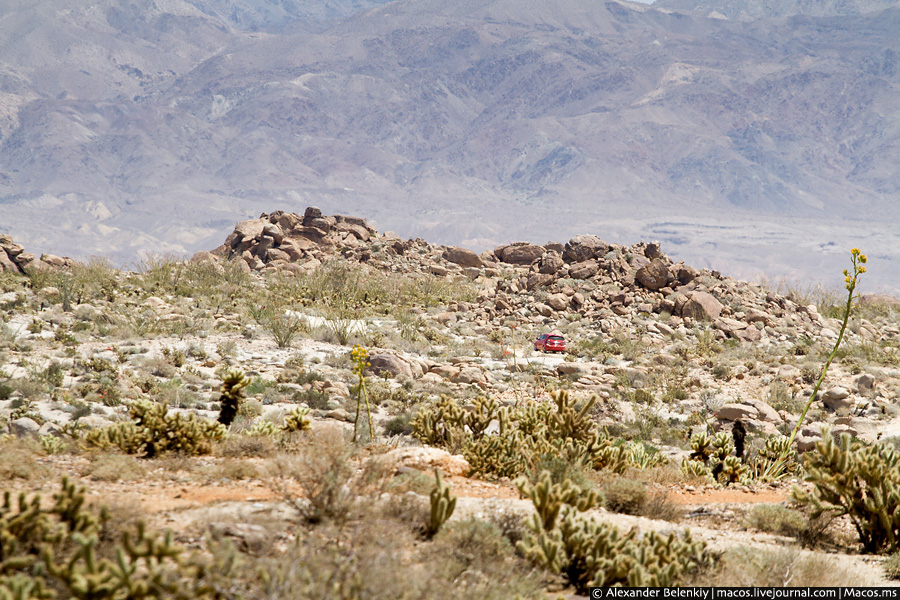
[777,519]
[659,507]
[18,459]
[378,557]
[625,496]
[233,469]
[746,567]
[245,446]
[113,467]
[326,474]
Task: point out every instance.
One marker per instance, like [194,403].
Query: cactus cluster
[860,481]
[155,431]
[593,554]
[526,434]
[715,458]
[48,552]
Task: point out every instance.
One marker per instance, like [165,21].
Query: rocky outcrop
[14,259]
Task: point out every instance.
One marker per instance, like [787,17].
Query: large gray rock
[24,427]
[702,306]
[585,247]
[389,363]
[462,256]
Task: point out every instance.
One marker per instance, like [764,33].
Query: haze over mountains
[762,138]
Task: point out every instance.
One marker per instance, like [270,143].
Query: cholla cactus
[296,420]
[593,554]
[862,482]
[701,447]
[155,431]
[232,392]
[548,498]
[442,505]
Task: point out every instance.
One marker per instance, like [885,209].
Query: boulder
[470,374]
[550,263]
[735,411]
[702,306]
[585,247]
[24,427]
[654,275]
[389,363]
[273,231]
[558,301]
[250,229]
[426,459]
[584,270]
[865,384]
[462,256]
[523,254]
[536,280]
[838,400]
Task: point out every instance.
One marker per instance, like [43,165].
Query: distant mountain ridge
[757,9]
[744,145]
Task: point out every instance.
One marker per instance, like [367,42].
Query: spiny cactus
[45,551]
[548,497]
[695,468]
[155,431]
[296,420]
[860,481]
[732,470]
[232,392]
[701,447]
[263,429]
[527,434]
[593,554]
[442,505]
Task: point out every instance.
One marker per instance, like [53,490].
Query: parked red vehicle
[550,342]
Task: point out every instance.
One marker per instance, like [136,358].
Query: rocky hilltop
[586,285]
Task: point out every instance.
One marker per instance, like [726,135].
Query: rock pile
[13,258]
[540,283]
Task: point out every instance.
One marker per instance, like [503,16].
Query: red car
[550,342]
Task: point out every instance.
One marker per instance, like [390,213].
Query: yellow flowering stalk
[360,357]
[851,279]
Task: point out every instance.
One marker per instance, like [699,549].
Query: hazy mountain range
[746,136]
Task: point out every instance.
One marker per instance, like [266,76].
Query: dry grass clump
[233,469]
[777,519]
[748,567]
[633,497]
[113,467]
[18,459]
[245,446]
[379,557]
